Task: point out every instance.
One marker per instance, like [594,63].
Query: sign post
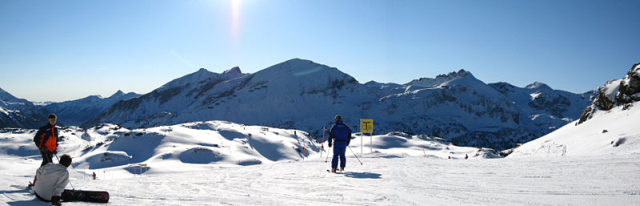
[366,126]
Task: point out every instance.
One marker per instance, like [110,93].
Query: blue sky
[66,50]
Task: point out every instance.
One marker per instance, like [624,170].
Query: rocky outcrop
[621,92]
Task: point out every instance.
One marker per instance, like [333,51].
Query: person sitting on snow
[341,133]
[51,179]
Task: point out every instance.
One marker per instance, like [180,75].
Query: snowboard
[76,195]
[85,196]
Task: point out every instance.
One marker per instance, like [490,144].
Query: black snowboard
[85,196]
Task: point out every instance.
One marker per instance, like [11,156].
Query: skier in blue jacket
[341,133]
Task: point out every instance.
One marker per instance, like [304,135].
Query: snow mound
[197,144]
[211,144]
[200,155]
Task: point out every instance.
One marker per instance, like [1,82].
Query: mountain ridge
[305,95]
[302,94]
[16,112]
[76,112]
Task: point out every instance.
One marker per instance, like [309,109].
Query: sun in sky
[235,22]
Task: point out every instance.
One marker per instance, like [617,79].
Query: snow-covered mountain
[15,112]
[544,109]
[305,95]
[76,112]
[607,126]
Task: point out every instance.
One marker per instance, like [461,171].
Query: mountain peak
[442,79]
[235,69]
[232,73]
[117,94]
[200,75]
[538,85]
[455,75]
[298,60]
[295,67]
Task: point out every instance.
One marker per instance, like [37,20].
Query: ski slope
[382,179]
[398,172]
[613,132]
[222,163]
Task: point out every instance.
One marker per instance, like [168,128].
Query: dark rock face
[555,105]
[614,93]
[630,86]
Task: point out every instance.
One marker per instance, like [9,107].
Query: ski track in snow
[381,180]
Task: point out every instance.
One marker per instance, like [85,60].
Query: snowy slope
[608,133]
[301,94]
[76,112]
[223,163]
[16,112]
[382,179]
[607,127]
[207,144]
[201,143]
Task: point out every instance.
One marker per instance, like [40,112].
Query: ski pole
[326,159]
[354,154]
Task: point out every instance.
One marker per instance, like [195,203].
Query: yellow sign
[366,125]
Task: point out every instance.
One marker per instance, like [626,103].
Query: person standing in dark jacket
[341,134]
[47,140]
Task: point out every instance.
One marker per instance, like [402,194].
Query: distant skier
[341,133]
[94,176]
[51,180]
[47,140]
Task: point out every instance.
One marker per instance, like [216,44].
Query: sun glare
[235,23]
[235,15]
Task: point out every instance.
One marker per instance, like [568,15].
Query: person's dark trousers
[67,196]
[47,157]
[339,150]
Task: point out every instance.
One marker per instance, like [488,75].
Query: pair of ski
[337,172]
[76,195]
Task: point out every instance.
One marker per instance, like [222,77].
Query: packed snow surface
[381,180]
[222,163]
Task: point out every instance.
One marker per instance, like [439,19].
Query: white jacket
[52,179]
